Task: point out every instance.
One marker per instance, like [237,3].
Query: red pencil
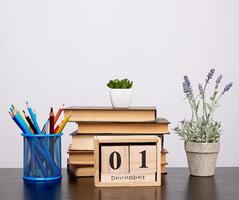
[51,121]
[58,114]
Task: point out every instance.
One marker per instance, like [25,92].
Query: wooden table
[176,185]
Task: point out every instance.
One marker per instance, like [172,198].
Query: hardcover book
[109,114]
[158,127]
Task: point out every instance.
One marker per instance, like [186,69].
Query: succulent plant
[120,84]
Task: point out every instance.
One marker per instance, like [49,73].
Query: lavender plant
[202,128]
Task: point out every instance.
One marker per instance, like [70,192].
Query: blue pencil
[20,123]
[33,117]
[43,152]
[26,130]
[44,144]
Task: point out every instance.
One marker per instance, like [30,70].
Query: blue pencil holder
[42,157]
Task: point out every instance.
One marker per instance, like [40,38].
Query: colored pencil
[19,121]
[58,114]
[56,129]
[39,150]
[51,144]
[33,117]
[30,122]
[63,123]
[51,118]
[14,119]
[45,128]
[23,119]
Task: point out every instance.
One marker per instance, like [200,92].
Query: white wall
[54,51]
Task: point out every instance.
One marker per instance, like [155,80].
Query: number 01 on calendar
[127,161]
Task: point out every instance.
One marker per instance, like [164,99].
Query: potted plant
[202,133]
[120,92]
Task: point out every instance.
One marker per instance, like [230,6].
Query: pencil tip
[11,114]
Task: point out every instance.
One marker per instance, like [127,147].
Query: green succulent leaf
[117,84]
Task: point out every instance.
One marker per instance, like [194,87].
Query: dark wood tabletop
[176,185]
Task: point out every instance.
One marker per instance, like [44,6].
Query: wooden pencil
[51,121]
[58,114]
[30,122]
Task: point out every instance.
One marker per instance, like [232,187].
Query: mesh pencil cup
[42,157]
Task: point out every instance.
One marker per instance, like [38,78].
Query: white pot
[202,158]
[121,98]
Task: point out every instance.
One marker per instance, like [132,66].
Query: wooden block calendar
[127,161]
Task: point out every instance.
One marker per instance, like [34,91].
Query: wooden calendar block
[143,159]
[126,178]
[127,161]
[114,159]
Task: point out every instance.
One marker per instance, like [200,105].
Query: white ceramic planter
[202,158]
[121,98]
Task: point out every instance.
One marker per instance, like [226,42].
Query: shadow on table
[173,187]
[201,188]
[42,191]
[83,188]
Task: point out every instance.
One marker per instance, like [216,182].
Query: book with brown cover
[163,168]
[82,142]
[110,114]
[158,127]
[86,141]
[88,170]
[80,170]
[81,157]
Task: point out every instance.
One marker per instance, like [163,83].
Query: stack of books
[94,121]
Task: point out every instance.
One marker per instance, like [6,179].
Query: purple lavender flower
[227,88]
[201,90]
[187,86]
[186,80]
[186,89]
[210,74]
[218,81]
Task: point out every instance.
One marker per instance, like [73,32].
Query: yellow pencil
[63,123]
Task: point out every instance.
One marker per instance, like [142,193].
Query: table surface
[176,185]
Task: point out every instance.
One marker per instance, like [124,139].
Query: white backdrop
[54,51]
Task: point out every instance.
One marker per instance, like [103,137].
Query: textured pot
[121,98]
[202,158]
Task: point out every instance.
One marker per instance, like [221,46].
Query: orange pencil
[63,123]
[56,129]
[58,114]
